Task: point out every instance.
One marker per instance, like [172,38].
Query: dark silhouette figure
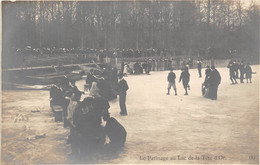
[185,78]
[232,72]
[207,72]
[199,68]
[214,81]
[115,131]
[236,66]
[242,72]
[122,88]
[171,79]
[248,72]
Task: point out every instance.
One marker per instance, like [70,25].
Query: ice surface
[158,125]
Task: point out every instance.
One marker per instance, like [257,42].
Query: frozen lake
[160,128]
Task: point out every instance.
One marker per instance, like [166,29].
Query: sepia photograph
[130,82]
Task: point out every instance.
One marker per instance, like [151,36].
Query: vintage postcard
[130,82]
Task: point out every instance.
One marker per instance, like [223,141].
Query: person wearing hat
[207,72]
[232,72]
[87,120]
[121,89]
[248,72]
[185,78]
[214,82]
[56,96]
[171,79]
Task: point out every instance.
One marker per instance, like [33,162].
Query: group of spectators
[146,66]
[112,52]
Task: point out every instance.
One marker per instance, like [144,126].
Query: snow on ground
[160,128]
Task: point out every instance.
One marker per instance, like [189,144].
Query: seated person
[87,124]
[115,131]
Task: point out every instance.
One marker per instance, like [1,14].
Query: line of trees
[176,25]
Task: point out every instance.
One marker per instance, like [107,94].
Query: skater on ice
[171,79]
[248,72]
[185,78]
[242,71]
[199,68]
[232,73]
[121,89]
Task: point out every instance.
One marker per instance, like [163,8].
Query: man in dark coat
[149,67]
[232,72]
[122,88]
[236,67]
[171,79]
[56,96]
[242,72]
[136,68]
[115,131]
[185,78]
[214,81]
[101,106]
[114,80]
[248,72]
[205,85]
[105,89]
[207,72]
[199,67]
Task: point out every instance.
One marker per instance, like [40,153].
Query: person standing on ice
[236,67]
[185,78]
[122,88]
[232,73]
[171,79]
[207,72]
[199,67]
[242,71]
[214,81]
[248,72]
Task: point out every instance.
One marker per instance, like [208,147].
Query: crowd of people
[212,80]
[238,70]
[89,119]
[112,52]
[146,66]
[159,58]
[138,68]
[87,116]
[210,85]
